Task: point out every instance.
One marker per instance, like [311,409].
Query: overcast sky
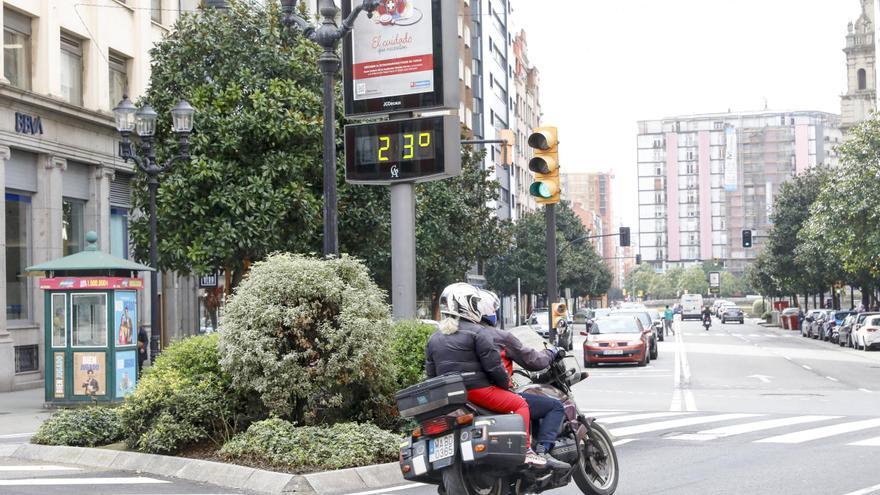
[606,64]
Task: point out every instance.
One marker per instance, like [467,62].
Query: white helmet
[461,300]
[489,303]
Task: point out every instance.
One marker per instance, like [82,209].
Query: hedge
[91,426]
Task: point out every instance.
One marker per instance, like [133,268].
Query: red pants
[502,401]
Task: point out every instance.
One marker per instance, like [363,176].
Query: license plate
[616,352]
[441,448]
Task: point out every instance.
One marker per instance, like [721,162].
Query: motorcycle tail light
[435,426]
[464,419]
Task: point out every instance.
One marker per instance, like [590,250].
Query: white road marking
[676,373]
[754,335]
[639,417]
[139,480]
[871,442]
[824,432]
[832,378]
[865,390]
[763,378]
[37,468]
[728,431]
[602,414]
[633,375]
[19,435]
[624,441]
[677,423]
[865,491]
[386,490]
[806,367]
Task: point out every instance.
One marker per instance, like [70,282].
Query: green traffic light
[540,190]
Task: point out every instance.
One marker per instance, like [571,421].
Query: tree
[642,279]
[693,281]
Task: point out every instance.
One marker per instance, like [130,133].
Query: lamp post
[142,120]
[327,35]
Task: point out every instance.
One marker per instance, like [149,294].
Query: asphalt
[739,409]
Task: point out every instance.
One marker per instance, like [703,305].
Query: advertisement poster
[59,375]
[89,373]
[731,172]
[126,372]
[59,320]
[125,311]
[393,53]
[97,283]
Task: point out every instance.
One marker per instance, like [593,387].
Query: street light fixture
[143,120]
[327,35]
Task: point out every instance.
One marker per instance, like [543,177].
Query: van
[691,306]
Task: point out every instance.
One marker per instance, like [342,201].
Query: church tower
[860,98]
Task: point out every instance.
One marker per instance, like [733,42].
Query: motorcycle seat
[483,411]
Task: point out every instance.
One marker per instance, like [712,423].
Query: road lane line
[386,490]
[690,403]
[37,468]
[871,442]
[19,435]
[865,491]
[729,431]
[677,423]
[602,414]
[676,373]
[824,432]
[865,390]
[639,417]
[624,441]
[832,378]
[804,366]
[138,480]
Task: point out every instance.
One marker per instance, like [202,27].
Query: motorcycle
[707,322]
[467,450]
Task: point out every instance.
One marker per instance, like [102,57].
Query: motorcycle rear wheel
[597,471]
[457,481]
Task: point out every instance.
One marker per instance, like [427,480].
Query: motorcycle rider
[707,317]
[547,410]
[460,346]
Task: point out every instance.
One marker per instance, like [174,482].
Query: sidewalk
[22,412]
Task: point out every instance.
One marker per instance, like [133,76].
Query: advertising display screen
[409,150]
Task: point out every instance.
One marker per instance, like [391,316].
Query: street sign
[208,281]
[408,150]
[403,59]
[714,282]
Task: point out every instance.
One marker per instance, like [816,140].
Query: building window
[89,320]
[72,226]
[118,79]
[71,70]
[119,232]
[156,11]
[17,49]
[27,358]
[863,79]
[18,250]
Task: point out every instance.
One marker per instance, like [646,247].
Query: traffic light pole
[552,282]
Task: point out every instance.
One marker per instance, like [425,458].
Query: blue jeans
[550,413]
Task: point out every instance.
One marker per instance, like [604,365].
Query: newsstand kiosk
[91,316]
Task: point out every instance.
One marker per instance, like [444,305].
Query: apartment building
[591,191]
[527,116]
[65,67]
[702,179]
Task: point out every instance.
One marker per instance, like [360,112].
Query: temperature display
[396,147]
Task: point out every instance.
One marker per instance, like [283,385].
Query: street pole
[518,298]
[552,284]
[403,258]
[327,36]
[155,321]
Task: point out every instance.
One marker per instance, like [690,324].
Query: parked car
[809,319]
[647,323]
[657,324]
[869,333]
[540,323]
[717,305]
[733,313]
[843,330]
[861,319]
[617,339]
[832,327]
[817,327]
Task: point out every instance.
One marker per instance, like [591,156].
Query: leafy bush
[759,308]
[182,399]
[86,427]
[408,342]
[281,444]
[310,337]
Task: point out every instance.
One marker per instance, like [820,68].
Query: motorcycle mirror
[584,375]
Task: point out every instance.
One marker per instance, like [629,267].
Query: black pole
[552,283]
[155,321]
[329,64]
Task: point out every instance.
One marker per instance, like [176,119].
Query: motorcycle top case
[433,397]
[502,440]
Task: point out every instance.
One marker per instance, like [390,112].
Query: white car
[718,304]
[868,335]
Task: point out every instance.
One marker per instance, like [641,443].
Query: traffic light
[747,238]
[624,237]
[560,312]
[545,165]
[638,259]
[509,139]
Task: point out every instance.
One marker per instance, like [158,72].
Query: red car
[616,339]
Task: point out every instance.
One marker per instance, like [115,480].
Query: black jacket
[468,351]
[526,357]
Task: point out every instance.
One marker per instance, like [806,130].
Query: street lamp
[327,35]
[143,121]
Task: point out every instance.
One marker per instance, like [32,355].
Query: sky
[606,64]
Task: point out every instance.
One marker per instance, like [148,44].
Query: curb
[217,473]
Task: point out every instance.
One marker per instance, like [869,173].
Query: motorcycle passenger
[461,347]
[547,410]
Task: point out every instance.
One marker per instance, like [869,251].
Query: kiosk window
[89,320]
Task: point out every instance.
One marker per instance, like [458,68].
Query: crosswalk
[688,427]
[711,334]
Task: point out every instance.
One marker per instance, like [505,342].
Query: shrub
[281,444]
[408,342]
[310,337]
[86,427]
[184,398]
[759,308]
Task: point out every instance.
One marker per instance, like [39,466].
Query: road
[739,409]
